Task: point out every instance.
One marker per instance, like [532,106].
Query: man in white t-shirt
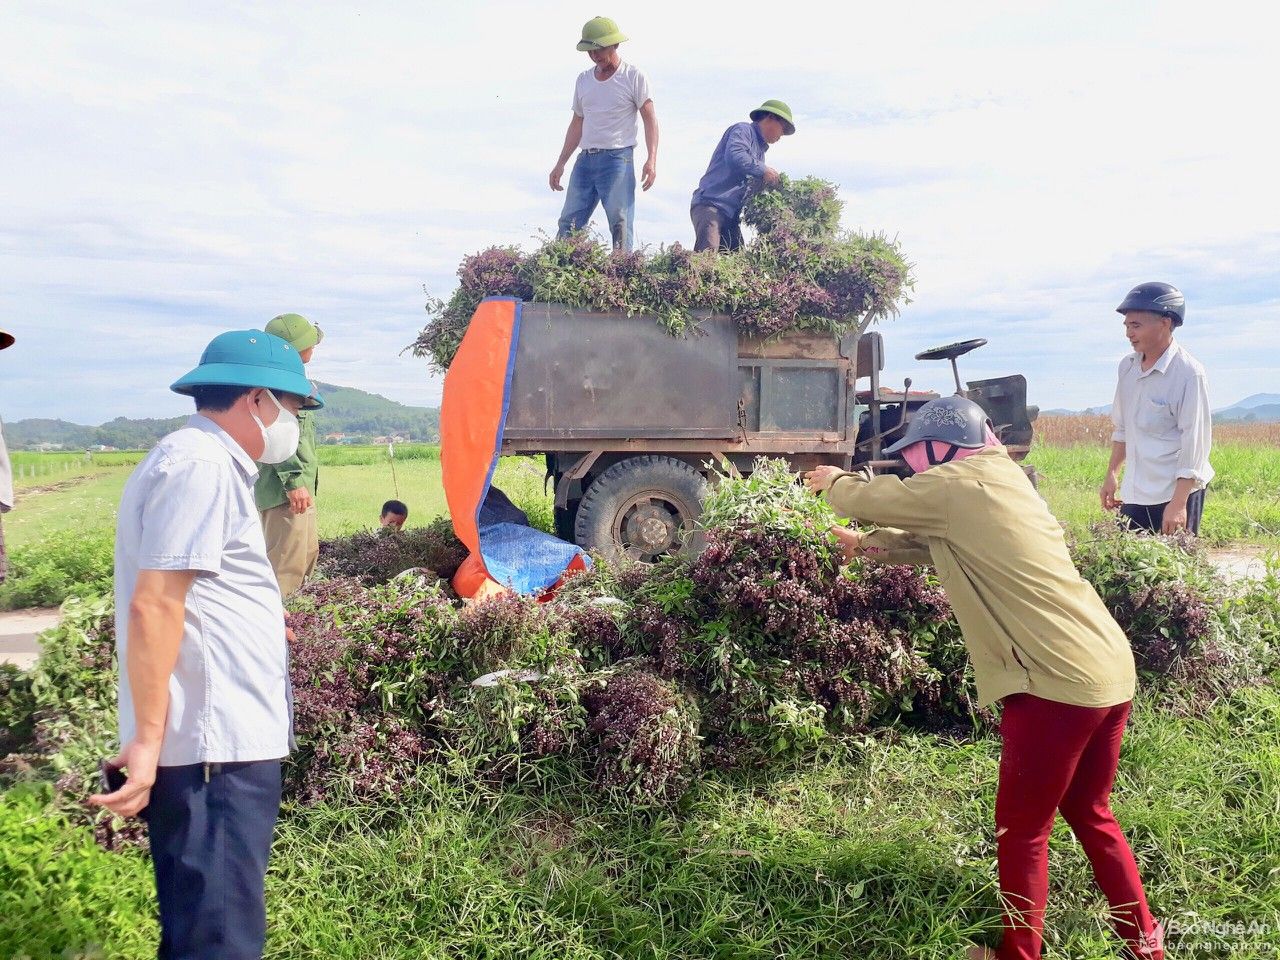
[1163,423]
[606,101]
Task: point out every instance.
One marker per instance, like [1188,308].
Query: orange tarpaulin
[473,412]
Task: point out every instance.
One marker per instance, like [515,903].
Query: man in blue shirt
[738,157]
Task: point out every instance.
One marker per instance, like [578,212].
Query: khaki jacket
[275,480]
[1031,623]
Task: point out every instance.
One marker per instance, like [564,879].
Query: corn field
[1094,429]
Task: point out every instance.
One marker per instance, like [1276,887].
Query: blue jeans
[210,840]
[606,177]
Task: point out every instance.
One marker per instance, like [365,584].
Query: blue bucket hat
[250,358]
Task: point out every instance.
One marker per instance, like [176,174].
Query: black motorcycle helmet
[955,420]
[1156,297]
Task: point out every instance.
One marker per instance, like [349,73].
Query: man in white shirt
[200,639]
[606,100]
[1163,424]
[6,475]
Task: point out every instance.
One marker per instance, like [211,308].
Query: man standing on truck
[286,491]
[606,100]
[1163,424]
[739,156]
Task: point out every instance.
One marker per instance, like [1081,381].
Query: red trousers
[1060,757]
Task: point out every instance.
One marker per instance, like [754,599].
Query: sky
[171,171]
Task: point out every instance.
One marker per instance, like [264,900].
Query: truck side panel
[588,374]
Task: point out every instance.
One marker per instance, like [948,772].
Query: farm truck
[633,422]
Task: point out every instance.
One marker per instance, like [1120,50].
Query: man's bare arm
[572,137]
[649,117]
[156,614]
[1109,484]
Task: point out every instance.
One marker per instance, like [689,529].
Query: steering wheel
[951,350]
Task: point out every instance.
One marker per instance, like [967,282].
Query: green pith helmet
[297,329]
[779,110]
[599,32]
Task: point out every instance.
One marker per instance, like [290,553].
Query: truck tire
[644,508]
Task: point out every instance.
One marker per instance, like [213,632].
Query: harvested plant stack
[800,272]
[638,677]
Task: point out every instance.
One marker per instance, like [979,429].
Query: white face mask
[280,440]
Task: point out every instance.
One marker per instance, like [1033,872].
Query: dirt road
[18,632]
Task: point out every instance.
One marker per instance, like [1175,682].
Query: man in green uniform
[285,492]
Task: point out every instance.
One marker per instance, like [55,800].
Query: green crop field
[878,846]
[84,497]
[64,491]
[1242,505]
[880,850]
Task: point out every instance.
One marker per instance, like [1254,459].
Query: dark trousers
[1150,516]
[713,229]
[210,841]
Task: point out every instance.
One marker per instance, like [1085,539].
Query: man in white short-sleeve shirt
[606,102]
[200,639]
[1162,421]
[6,473]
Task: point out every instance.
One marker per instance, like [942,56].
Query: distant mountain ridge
[1259,408]
[348,412]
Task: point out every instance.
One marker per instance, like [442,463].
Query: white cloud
[168,174]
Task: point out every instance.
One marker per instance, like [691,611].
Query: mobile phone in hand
[110,778]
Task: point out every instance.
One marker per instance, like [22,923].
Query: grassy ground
[350,496]
[1243,504]
[883,851]
[86,503]
[351,493]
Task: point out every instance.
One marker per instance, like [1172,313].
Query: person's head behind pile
[394,514]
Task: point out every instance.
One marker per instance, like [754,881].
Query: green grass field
[879,849]
[882,850]
[1243,504]
[351,493]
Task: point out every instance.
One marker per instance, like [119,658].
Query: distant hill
[1259,413]
[1257,400]
[121,433]
[1061,412]
[1258,408]
[356,415]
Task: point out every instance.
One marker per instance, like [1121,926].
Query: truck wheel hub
[650,528]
